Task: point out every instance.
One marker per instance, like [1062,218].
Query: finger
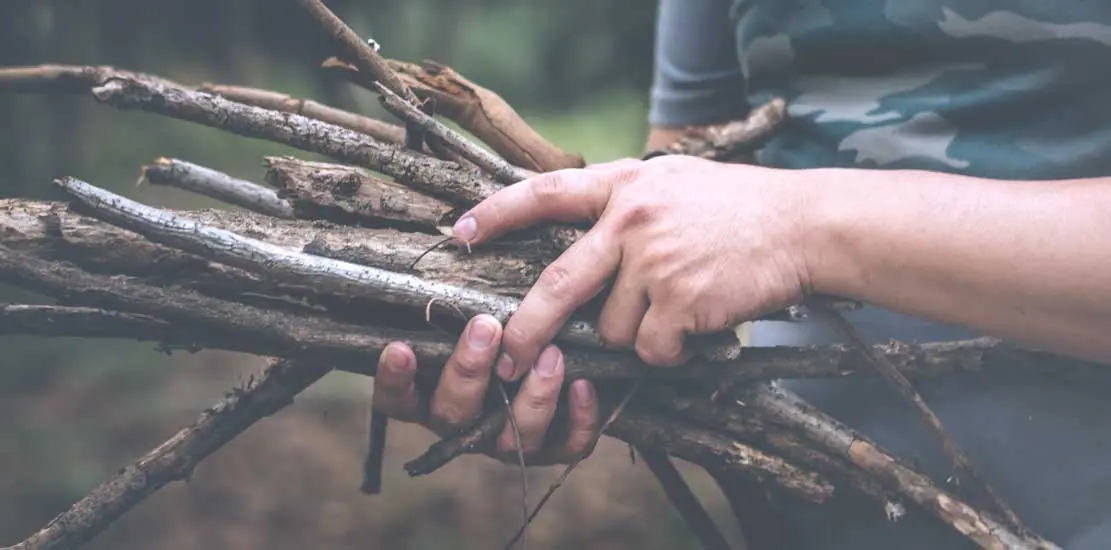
[660,338]
[583,420]
[562,195]
[535,404]
[395,392]
[462,387]
[623,310]
[578,275]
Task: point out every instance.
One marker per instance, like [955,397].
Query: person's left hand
[696,246]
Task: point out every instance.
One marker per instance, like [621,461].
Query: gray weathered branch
[217,185]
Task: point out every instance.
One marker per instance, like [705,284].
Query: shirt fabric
[1006,89]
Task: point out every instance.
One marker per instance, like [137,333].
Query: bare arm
[1028,261]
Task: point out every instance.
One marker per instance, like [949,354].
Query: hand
[694,246]
[459,395]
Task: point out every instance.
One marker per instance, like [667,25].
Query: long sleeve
[697,77]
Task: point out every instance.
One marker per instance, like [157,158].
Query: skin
[695,246]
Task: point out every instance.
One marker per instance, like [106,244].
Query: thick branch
[377,129]
[217,185]
[492,164]
[478,110]
[175,459]
[352,196]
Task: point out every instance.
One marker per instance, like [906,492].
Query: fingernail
[505,367]
[396,359]
[465,229]
[481,333]
[583,391]
[547,363]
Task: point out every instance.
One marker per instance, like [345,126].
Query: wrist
[840,207]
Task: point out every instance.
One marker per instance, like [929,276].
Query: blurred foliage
[578,70]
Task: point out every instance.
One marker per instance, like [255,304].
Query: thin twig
[480,111]
[175,459]
[355,49]
[377,129]
[496,166]
[217,185]
[960,461]
[684,500]
[375,454]
[574,463]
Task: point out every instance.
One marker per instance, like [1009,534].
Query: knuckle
[555,280]
[516,339]
[656,355]
[614,336]
[473,366]
[449,415]
[541,399]
[636,213]
[549,186]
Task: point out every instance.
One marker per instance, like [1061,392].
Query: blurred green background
[75,411]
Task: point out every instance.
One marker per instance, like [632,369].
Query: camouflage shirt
[1008,89]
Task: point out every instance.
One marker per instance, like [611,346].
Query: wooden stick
[684,500]
[217,185]
[276,101]
[479,111]
[497,167]
[981,490]
[351,195]
[787,409]
[354,48]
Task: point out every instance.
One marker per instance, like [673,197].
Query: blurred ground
[76,411]
[292,480]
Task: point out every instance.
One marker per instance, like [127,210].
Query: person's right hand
[459,395]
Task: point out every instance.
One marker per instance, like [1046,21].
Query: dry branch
[364,57]
[685,501]
[728,141]
[377,129]
[981,490]
[175,459]
[127,90]
[217,185]
[478,110]
[495,166]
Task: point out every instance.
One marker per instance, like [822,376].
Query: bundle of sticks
[328,262]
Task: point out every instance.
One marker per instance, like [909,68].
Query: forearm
[1027,261]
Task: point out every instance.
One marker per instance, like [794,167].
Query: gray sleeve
[697,76]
